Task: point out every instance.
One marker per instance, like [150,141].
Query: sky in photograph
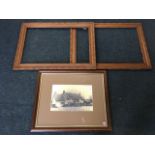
[84,90]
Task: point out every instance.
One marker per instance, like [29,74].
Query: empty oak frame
[18,65]
[145,64]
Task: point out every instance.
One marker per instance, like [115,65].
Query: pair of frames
[145,64]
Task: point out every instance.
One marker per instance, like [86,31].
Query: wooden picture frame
[99,117]
[146,64]
[18,65]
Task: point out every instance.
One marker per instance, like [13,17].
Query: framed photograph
[144,64]
[71,101]
[42,26]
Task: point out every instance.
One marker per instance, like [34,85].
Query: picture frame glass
[71,100]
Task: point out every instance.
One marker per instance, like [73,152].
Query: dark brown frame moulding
[71,129]
[18,65]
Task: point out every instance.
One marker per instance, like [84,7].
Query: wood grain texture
[92,49]
[57,24]
[143,46]
[72,46]
[116,25]
[45,66]
[122,66]
[18,65]
[20,46]
[145,64]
